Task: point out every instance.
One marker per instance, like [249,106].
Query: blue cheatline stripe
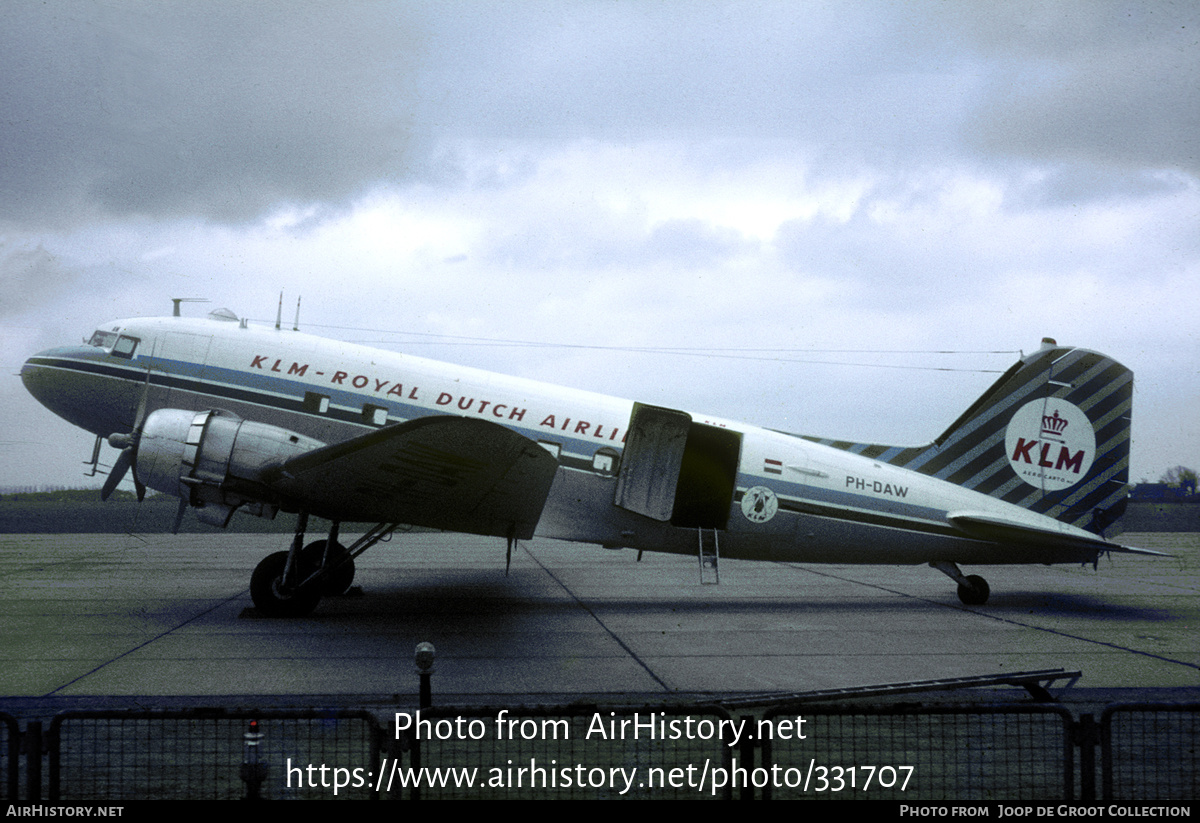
[270,397]
[811,507]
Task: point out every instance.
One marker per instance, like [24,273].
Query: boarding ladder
[710,554]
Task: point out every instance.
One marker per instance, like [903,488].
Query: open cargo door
[677,470]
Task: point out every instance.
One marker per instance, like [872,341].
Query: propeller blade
[140,418]
[124,461]
[127,443]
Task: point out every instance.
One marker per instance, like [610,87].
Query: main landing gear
[292,583]
[973,590]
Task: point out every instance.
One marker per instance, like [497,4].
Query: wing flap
[452,473]
[990,527]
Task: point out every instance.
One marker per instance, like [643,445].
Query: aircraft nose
[37,377]
[68,383]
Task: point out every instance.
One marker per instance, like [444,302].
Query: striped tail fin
[1051,435]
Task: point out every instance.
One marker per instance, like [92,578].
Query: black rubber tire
[976,594]
[270,600]
[342,578]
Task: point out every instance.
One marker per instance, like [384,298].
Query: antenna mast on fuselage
[177,300]
[279,315]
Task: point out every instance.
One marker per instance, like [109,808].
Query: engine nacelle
[214,460]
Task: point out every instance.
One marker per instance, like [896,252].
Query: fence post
[33,761]
[424,659]
[1087,737]
[253,772]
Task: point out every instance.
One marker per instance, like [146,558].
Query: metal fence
[944,753]
[10,755]
[1149,751]
[210,754]
[995,753]
[573,752]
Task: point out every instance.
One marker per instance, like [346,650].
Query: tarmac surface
[170,616]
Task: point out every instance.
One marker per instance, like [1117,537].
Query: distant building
[1183,491]
[1163,507]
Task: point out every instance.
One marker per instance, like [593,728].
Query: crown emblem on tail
[1054,425]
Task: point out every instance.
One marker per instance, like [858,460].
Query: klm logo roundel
[1050,444]
[759,504]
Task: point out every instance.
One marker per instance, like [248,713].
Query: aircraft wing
[452,473]
[990,527]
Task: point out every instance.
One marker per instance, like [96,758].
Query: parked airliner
[230,416]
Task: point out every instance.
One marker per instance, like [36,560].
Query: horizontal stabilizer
[451,473]
[990,527]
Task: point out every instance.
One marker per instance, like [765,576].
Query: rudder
[1051,435]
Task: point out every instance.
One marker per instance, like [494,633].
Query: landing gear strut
[973,590]
[278,585]
[291,583]
[337,564]
[341,577]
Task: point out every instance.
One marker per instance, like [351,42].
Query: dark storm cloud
[216,109]
[1110,84]
[226,110]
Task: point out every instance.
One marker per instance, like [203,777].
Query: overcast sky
[758,185]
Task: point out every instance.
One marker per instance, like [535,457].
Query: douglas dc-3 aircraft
[227,416]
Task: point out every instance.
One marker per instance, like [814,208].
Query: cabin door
[678,470]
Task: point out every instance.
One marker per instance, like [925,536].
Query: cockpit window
[103,339]
[125,347]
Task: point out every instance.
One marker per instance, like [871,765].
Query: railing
[939,753]
[982,753]
[10,755]
[572,752]
[1149,751]
[210,754]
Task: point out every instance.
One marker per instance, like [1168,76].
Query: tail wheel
[975,592]
[337,583]
[272,598]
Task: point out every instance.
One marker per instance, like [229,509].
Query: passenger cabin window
[318,403]
[375,415]
[604,462]
[554,448]
[125,347]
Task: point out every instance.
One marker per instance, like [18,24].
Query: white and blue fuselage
[770,495]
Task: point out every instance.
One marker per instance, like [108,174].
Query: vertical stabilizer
[1051,435]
